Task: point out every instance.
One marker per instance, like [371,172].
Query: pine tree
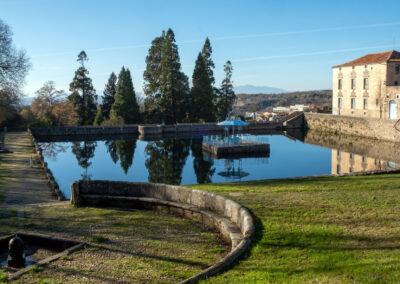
[202,93]
[151,78]
[226,96]
[83,95]
[108,95]
[125,105]
[173,83]
[206,53]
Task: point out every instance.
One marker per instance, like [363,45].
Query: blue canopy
[232,123]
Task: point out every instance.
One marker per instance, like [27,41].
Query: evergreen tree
[166,87]
[98,120]
[173,83]
[125,105]
[83,95]
[206,53]
[202,94]
[151,78]
[108,95]
[226,96]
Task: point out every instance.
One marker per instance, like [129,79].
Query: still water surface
[182,161]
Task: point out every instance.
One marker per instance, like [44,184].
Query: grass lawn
[126,246]
[4,179]
[319,230]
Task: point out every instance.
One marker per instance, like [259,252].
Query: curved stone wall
[234,222]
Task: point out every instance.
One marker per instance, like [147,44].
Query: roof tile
[379,57]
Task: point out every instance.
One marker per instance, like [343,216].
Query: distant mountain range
[254,90]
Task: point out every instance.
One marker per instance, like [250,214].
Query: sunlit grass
[330,230]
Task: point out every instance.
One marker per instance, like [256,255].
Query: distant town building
[368,86]
[300,108]
[281,109]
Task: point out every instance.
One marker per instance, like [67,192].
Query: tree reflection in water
[84,151]
[51,150]
[112,150]
[203,168]
[126,151]
[165,160]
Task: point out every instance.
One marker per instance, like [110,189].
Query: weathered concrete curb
[55,188]
[232,220]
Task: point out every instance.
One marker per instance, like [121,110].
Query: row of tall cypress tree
[169,99]
[168,96]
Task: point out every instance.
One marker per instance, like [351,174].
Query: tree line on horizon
[168,97]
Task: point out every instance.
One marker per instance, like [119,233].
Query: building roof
[380,57]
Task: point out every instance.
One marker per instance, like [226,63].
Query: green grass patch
[99,239]
[322,230]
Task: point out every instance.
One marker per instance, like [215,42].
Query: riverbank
[330,230]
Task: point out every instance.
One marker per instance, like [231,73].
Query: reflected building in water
[347,163]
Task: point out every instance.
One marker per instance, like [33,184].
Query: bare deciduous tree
[14,64]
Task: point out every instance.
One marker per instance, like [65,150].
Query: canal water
[182,161]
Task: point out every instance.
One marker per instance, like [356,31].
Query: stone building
[368,86]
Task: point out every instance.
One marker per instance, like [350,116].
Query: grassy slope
[334,230]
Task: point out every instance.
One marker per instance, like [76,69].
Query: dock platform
[244,149]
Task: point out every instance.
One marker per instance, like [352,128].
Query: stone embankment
[233,221]
[374,128]
[150,130]
[55,188]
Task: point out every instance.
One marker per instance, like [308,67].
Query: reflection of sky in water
[288,158]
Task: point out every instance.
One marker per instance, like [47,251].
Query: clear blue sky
[285,44]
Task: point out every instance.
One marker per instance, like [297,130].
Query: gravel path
[29,185]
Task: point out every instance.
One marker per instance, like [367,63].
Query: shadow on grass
[156,257]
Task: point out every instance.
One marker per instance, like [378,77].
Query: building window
[353,103]
[338,169]
[340,103]
[340,84]
[351,156]
[377,102]
[338,153]
[353,84]
[365,103]
[350,170]
[397,68]
[365,83]
[396,83]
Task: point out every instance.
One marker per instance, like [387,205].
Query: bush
[40,123]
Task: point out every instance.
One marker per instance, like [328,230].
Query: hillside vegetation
[252,103]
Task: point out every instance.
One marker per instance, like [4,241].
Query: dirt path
[26,186]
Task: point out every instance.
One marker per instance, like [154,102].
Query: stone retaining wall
[55,188]
[382,129]
[150,130]
[84,130]
[233,221]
